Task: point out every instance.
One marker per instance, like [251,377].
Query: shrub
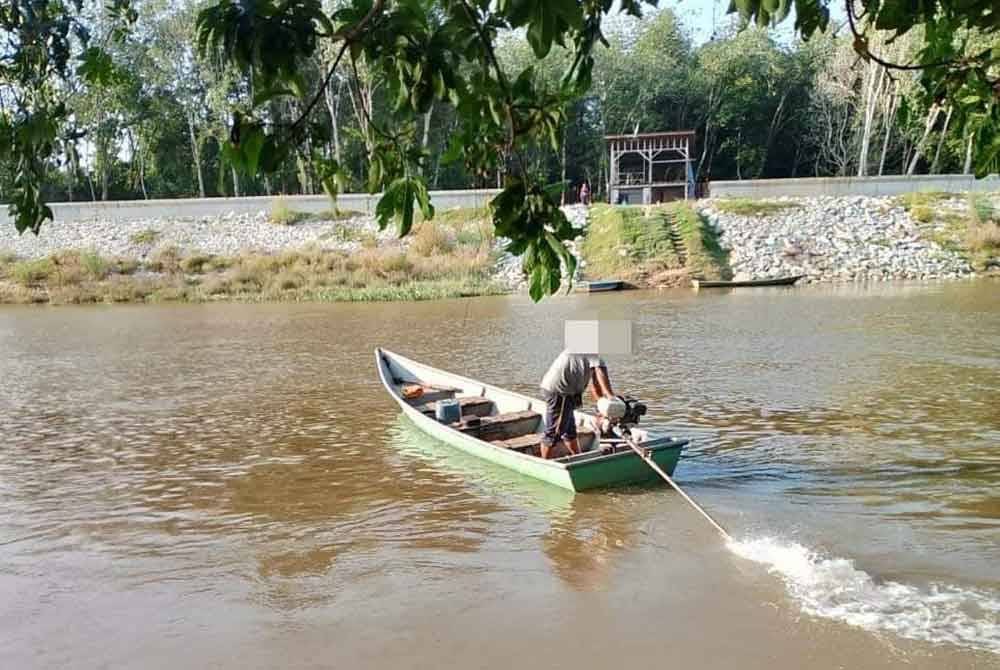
[922,213]
[983,237]
[196,264]
[147,236]
[165,259]
[33,271]
[430,239]
[93,265]
[282,214]
[124,266]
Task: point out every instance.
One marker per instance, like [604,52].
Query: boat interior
[519,430]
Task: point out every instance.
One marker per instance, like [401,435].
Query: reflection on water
[243,459]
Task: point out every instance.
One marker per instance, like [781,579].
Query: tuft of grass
[335,214]
[165,259]
[196,263]
[123,266]
[282,213]
[94,265]
[751,207]
[31,272]
[147,236]
[922,213]
[430,239]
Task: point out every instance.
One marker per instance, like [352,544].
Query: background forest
[157,125]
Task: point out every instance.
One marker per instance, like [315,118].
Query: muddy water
[228,487]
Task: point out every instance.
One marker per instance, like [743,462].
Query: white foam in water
[833,588]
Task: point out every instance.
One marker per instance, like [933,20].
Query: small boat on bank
[600,285]
[778,281]
[505,428]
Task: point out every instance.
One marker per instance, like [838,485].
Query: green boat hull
[591,471]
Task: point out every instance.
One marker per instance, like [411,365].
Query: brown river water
[228,486]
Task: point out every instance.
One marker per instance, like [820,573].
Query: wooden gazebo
[647,168]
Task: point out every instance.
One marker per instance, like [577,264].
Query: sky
[702,17]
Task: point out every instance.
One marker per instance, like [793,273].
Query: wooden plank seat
[471,406]
[532,442]
[501,426]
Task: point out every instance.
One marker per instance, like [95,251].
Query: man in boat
[562,387]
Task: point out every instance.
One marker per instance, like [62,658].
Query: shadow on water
[581,532]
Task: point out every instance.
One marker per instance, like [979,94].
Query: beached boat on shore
[505,428]
[746,283]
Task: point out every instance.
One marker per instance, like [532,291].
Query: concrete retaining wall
[841,186]
[198,207]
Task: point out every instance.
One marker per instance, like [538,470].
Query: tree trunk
[196,155]
[890,115]
[772,131]
[425,141]
[866,134]
[967,169]
[562,200]
[932,116]
[236,183]
[333,107]
[71,177]
[944,133]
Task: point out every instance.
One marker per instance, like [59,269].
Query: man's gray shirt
[570,373]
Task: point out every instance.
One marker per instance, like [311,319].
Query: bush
[922,213]
[196,264]
[31,272]
[93,265]
[282,214]
[983,237]
[165,259]
[148,236]
[430,239]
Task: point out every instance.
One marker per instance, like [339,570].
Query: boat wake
[834,588]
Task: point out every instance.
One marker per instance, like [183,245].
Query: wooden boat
[601,285]
[505,428]
[779,281]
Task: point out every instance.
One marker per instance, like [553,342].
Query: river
[228,486]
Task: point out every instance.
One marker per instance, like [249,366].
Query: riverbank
[284,256]
[918,236]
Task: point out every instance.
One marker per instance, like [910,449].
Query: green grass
[147,236]
[33,271]
[706,259]
[751,207]
[627,242]
[972,231]
[635,244]
[335,214]
[282,213]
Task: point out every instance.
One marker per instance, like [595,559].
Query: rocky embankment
[225,235]
[832,239]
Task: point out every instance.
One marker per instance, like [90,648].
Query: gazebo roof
[644,136]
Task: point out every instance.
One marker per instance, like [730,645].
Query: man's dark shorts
[559,420]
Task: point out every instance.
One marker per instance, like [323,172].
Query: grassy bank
[450,257]
[968,225]
[651,246]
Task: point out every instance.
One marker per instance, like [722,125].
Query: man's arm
[600,385]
